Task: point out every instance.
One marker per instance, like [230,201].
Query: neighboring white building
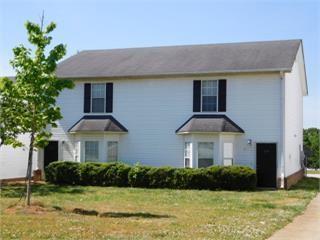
[183,106]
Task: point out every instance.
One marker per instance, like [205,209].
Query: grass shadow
[82,211]
[134,215]
[308,184]
[15,191]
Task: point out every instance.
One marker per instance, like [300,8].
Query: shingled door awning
[99,123]
[209,124]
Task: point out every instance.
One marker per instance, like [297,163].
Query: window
[98,93]
[205,154]
[187,154]
[228,154]
[209,95]
[91,151]
[112,151]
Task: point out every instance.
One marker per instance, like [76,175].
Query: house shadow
[16,191]
[308,184]
[133,215]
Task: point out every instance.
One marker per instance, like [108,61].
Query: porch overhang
[209,123]
[97,124]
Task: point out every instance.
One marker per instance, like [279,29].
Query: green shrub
[238,178]
[161,177]
[90,173]
[121,175]
[104,174]
[115,174]
[138,176]
[62,172]
[182,177]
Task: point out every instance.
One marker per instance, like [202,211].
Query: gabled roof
[181,60]
[209,124]
[97,123]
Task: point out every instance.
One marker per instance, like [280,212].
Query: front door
[266,165]
[50,153]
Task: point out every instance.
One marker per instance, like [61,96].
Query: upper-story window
[209,95]
[98,95]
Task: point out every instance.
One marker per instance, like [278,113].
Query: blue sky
[97,24]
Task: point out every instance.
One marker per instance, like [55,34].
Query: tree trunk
[29,168]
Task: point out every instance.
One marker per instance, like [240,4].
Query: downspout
[283,132]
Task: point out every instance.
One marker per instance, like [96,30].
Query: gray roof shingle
[209,124]
[181,60]
[100,123]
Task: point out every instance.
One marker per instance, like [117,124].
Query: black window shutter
[87,98]
[197,95]
[222,95]
[109,97]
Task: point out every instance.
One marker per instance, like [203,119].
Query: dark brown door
[266,165]
[50,153]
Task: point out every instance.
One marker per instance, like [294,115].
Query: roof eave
[187,74]
[305,70]
[98,132]
[184,133]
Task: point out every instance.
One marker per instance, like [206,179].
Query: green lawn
[128,213]
[313,171]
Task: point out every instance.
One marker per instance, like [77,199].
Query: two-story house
[186,106]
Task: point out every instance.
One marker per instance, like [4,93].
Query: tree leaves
[10,121]
[29,102]
[311,141]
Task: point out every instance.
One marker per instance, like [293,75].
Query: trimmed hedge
[63,173]
[122,175]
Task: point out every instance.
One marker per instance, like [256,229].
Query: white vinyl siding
[187,154]
[209,95]
[91,151]
[252,99]
[293,116]
[112,151]
[205,154]
[98,95]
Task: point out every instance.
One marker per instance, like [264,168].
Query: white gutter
[283,132]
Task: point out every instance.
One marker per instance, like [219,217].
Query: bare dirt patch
[34,208]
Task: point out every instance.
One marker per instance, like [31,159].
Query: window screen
[209,92]
[205,154]
[91,151]
[228,154]
[98,97]
[187,154]
[112,151]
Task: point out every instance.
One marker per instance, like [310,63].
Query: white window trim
[104,102]
[217,107]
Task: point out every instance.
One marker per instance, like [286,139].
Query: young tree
[38,87]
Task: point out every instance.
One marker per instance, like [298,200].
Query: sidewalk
[313,175]
[303,227]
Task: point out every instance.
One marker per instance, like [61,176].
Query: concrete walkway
[303,227]
[313,175]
